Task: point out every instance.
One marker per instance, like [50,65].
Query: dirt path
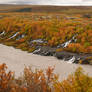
[17,59]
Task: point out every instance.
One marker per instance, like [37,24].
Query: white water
[37,50]
[64,45]
[71,60]
[2,33]
[14,35]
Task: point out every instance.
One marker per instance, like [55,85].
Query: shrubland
[43,81]
[20,32]
[21,29]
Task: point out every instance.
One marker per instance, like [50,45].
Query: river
[16,60]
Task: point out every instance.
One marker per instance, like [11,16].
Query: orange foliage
[40,81]
[53,31]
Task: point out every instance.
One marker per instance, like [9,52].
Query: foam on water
[14,35]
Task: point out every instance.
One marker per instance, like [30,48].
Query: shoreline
[63,55]
[16,60]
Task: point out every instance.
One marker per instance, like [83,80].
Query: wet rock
[68,56]
[45,51]
[72,60]
[37,51]
[20,36]
[63,55]
[73,57]
[2,33]
[64,45]
[38,41]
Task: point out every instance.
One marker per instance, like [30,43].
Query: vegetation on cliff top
[20,32]
[63,31]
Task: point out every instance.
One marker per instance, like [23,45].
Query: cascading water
[71,60]
[2,33]
[14,35]
[64,45]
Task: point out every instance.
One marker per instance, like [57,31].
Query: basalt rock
[63,55]
[45,51]
[20,37]
[67,56]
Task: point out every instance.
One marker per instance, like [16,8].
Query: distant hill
[44,8]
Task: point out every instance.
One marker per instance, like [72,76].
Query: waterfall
[14,35]
[20,36]
[71,60]
[36,51]
[65,44]
[2,33]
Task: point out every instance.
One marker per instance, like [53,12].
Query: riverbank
[70,57]
[17,59]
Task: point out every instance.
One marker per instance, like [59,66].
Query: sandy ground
[17,59]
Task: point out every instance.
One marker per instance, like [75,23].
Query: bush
[78,82]
[43,81]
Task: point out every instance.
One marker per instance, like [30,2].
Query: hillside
[63,32]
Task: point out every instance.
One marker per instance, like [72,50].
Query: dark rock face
[63,55]
[38,42]
[20,36]
[45,51]
[68,55]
